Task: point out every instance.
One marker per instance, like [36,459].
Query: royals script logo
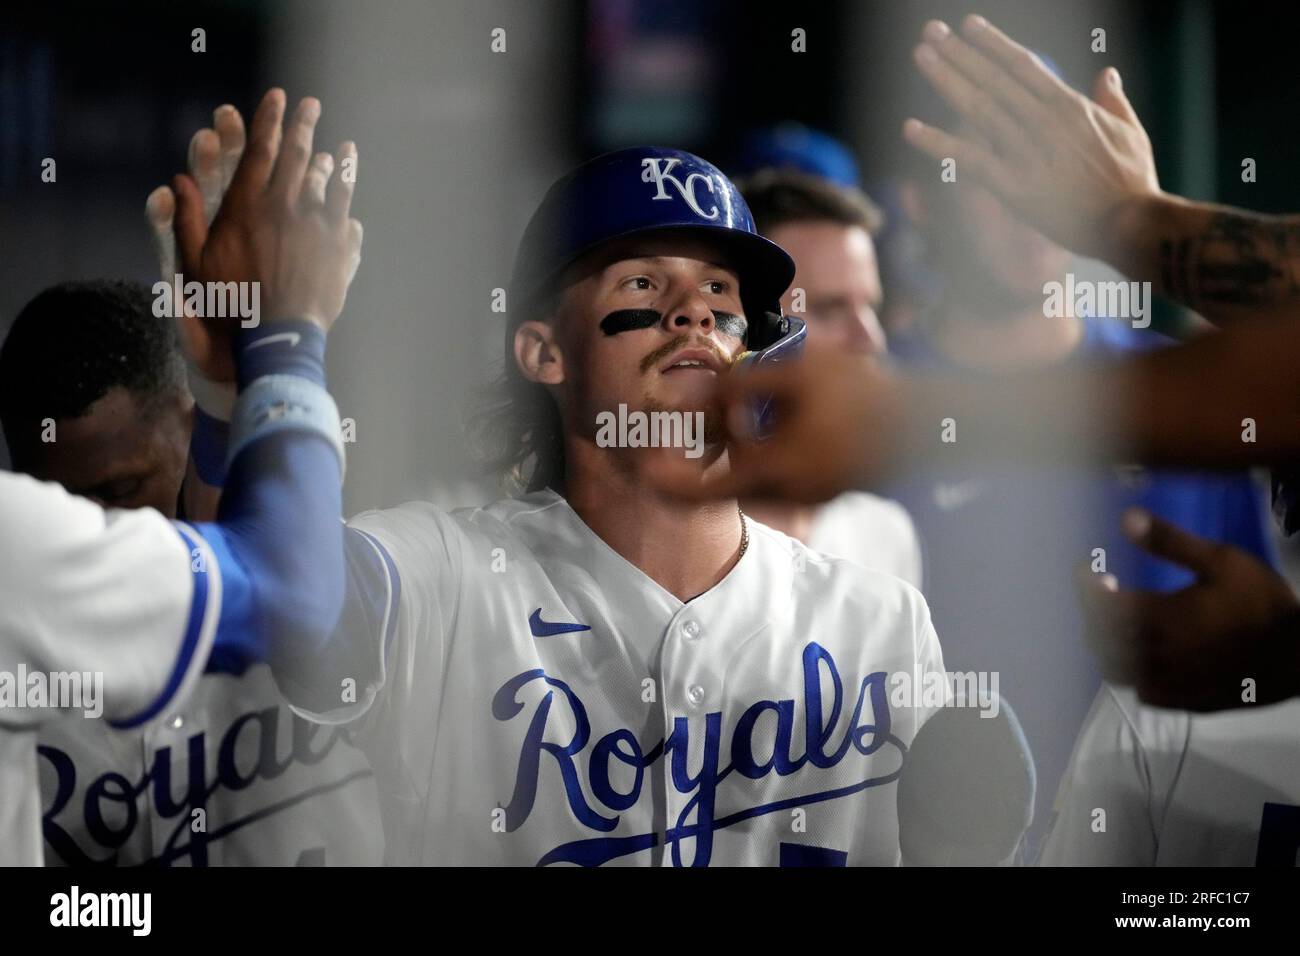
[824,746]
[89,819]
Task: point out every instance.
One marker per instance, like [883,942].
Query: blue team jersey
[1001,543]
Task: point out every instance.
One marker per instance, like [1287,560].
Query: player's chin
[683,390]
[706,409]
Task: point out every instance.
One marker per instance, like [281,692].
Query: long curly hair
[518,433]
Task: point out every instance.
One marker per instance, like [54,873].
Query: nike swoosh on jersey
[542,628]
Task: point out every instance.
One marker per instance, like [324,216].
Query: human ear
[538,354]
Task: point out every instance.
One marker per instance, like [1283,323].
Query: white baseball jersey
[1180,789]
[89,592]
[273,788]
[871,531]
[542,700]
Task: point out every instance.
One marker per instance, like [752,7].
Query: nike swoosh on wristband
[542,628]
[293,338]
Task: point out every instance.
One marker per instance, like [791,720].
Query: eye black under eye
[730,324]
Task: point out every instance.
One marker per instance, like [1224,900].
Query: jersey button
[696,695]
[691,630]
[177,722]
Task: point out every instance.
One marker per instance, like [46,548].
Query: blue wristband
[276,403]
[208,443]
[295,347]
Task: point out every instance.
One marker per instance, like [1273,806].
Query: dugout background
[457,143]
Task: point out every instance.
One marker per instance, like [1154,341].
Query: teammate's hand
[838,420]
[214,154]
[1069,165]
[283,222]
[1192,649]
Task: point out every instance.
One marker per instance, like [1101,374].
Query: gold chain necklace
[744,533]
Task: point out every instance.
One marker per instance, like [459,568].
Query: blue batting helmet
[651,189]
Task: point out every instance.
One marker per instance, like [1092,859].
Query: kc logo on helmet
[650,170]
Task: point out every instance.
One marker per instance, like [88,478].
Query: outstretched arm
[845,422]
[146,603]
[1081,169]
[284,225]
[214,155]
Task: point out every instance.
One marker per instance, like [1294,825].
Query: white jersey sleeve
[419,549]
[120,594]
[102,612]
[1112,799]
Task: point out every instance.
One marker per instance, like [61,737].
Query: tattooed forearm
[1228,259]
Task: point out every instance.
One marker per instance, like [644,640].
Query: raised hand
[214,154]
[1067,164]
[1193,649]
[283,221]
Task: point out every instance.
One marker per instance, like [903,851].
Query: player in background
[827,227]
[591,673]
[109,374]
[1003,541]
[1087,179]
[145,602]
[1148,786]
[1154,787]
[115,411]
[90,592]
[1100,195]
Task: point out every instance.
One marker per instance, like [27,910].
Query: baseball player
[1018,614]
[1088,180]
[1154,787]
[272,789]
[87,592]
[590,674]
[108,372]
[828,228]
[138,604]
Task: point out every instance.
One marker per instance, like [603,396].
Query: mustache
[629,320]
[681,341]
